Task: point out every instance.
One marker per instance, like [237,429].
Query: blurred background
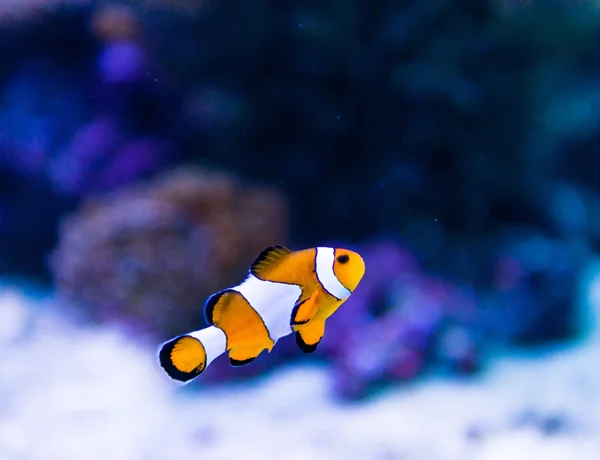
[149,151]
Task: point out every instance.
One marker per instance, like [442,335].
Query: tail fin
[185,357]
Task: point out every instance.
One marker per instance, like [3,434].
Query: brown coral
[115,22]
[149,255]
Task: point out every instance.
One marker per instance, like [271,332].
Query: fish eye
[343,259]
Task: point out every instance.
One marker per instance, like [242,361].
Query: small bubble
[435,220]
[338,117]
[299,25]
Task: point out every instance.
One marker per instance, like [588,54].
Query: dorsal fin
[268,259]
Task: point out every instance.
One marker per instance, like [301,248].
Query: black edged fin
[166,362]
[293,321]
[304,346]
[268,258]
[210,304]
[237,363]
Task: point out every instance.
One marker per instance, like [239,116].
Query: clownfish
[285,292]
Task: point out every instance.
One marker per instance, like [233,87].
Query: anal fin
[236,363]
[244,356]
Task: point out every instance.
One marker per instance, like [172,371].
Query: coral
[114,23]
[403,320]
[148,256]
[399,321]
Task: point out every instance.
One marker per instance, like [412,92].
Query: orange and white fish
[284,292]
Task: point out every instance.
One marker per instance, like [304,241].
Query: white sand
[73,393]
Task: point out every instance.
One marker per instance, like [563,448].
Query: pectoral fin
[304,310]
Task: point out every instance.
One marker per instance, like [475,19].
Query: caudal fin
[185,357]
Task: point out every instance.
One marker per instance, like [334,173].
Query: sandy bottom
[68,392]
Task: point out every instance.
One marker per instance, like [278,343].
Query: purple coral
[396,320]
[122,62]
[100,157]
[403,319]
